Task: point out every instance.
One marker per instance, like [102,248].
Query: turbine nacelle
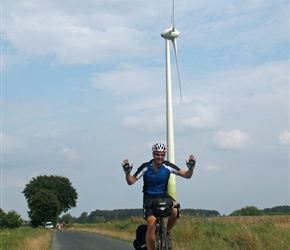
[170,33]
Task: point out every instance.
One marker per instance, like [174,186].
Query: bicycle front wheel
[164,239]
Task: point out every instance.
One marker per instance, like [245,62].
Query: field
[220,233]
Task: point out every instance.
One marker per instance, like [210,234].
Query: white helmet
[159,147]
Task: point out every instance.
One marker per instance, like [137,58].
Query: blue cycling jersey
[156,182]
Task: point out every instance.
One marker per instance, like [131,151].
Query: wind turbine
[170,35]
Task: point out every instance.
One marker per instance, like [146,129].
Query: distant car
[48,225]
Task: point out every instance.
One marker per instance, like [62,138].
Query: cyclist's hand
[191,162]
[126,166]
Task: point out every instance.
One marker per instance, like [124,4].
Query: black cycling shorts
[147,200]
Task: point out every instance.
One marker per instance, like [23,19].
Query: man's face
[159,157]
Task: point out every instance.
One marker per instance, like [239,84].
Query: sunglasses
[157,154]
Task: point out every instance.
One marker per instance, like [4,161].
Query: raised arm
[127,169]
[191,165]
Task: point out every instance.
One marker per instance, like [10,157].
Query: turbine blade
[176,57]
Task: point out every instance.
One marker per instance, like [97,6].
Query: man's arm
[185,174]
[191,165]
[127,169]
[130,179]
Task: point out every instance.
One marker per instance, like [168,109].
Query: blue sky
[83,87]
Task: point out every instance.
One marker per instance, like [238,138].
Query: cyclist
[155,175]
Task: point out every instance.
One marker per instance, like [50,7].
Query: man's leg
[170,223]
[150,234]
[172,218]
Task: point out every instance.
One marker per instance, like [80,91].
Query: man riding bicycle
[155,175]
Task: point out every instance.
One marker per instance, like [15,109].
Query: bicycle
[161,208]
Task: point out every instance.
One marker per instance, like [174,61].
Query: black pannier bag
[161,207]
[140,241]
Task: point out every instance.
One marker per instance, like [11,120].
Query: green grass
[25,238]
[220,233]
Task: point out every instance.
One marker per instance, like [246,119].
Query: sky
[83,88]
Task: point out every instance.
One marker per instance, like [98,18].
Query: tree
[277,210]
[67,218]
[98,219]
[84,217]
[44,206]
[247,211]
[48,197]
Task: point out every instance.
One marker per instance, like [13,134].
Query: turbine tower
[170,34]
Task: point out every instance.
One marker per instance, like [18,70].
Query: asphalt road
[76,240]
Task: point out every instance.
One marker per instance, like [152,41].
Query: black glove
[191,164]
[127,168]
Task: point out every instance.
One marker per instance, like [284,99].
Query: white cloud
[211,168]
[10,143]
[70,154]
[44,30]
[132,121]
[18,181]
[234,139]
[140,123]
[205,116]
[284,138]
[127,79]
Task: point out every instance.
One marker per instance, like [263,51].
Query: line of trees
[254,211]
[108,215]
[119,214]
[99,216]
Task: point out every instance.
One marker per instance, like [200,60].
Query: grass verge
[25,238]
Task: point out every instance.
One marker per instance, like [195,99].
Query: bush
[10,220]
[2,218]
